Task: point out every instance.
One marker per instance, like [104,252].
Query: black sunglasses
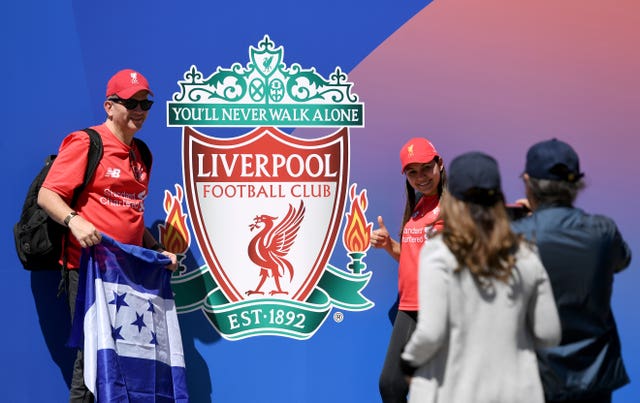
[131,103]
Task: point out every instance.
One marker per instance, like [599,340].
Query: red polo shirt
[424,223]
[114,199]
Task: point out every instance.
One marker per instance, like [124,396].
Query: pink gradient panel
[498,76]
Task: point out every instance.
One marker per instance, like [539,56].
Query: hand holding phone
[515,211]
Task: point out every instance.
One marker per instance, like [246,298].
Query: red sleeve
[67,171]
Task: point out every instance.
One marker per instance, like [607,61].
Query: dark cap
[553,159]
[474,177]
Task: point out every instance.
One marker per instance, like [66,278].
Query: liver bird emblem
[271,245]
[266,63]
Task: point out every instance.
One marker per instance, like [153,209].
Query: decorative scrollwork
[265,91]
[266,79]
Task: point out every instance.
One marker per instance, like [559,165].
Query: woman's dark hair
[412,196]
[480,237]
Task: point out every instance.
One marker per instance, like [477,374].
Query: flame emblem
[174,234]
[357,231]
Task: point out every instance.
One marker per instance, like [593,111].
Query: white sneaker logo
[112,173]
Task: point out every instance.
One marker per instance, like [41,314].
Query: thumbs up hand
[380,237]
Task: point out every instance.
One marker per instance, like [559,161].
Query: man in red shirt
[113,200]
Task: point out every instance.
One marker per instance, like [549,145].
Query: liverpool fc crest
[266,207]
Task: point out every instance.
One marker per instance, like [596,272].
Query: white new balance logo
[112,173]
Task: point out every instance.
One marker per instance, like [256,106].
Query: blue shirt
[581,253]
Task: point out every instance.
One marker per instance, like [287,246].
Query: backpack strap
[93,158]
[94,155]
[145,153]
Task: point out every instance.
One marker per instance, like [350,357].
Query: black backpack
[37,237]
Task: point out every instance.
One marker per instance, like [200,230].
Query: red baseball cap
[126,83]
[418,150]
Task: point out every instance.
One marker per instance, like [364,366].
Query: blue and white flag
[132,343]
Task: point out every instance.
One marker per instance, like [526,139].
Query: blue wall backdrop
[495,76]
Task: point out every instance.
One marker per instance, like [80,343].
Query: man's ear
[107,107]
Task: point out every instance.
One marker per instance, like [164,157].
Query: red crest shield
[266,208]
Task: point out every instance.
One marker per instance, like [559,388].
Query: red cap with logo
[125,83]
[418,150]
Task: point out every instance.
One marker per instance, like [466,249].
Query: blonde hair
[480,237]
